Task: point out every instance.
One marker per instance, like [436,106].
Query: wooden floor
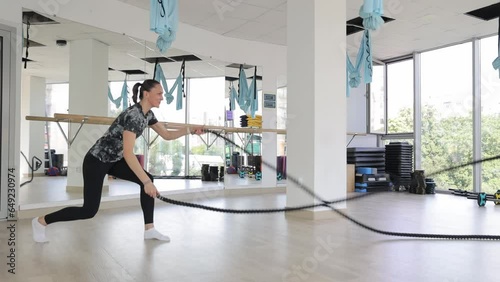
[217,247]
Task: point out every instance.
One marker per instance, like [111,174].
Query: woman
[113,154]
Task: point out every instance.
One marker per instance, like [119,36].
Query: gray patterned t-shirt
[109,148]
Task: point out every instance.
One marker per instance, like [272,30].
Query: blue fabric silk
[160,76]
[124,94]
[363,58]
[371,11]
[178,83]
[246,100]
[243,89]
[116,101]
[164,19]
[233,96]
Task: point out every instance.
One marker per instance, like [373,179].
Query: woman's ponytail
[135,91]
[138,88]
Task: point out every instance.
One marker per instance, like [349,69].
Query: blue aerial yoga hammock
[254,99]
[123,97]
[243,90]
[164,19]
[496,62]
[180,85]
[160,76]
[371,11]
[233,95]
[363,58]
[247,98]
[116,101]
[125,94]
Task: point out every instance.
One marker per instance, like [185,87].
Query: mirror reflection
[199,97]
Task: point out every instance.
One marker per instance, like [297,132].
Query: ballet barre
[100,120]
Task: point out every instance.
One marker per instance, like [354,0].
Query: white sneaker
[154,234]
[38,231]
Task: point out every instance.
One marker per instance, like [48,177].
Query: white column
[269,121]
[316,102]
[88,90]
[32,132]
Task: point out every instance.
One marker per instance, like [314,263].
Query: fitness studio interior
[330,140]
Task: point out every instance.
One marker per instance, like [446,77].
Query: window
[447,114]
[400,97]
[490,115]
[377,100]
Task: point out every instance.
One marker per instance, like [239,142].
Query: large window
[490,115]
[400,97]
[377,100]
[447,114]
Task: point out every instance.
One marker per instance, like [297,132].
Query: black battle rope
[191,205]
[328,204]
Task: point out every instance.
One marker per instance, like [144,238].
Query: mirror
[133,60]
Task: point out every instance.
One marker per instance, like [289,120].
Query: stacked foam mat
[399,163]
[370,157]
[248,121]
[370,169]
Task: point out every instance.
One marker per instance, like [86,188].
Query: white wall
[356,110]
[32,133]
[367,140]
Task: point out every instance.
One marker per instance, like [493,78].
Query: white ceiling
[125,53]
[419,25]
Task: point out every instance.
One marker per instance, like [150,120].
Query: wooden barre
[99,120]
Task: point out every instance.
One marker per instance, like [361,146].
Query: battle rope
[328,204]
[236,211]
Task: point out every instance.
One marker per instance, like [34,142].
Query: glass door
[4,185]
[8,177]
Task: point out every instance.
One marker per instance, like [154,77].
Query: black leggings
[94,172]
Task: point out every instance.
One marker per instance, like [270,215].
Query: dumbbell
[258,175]
[482,198]
[279,177]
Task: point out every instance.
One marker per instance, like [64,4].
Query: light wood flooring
[208,246]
